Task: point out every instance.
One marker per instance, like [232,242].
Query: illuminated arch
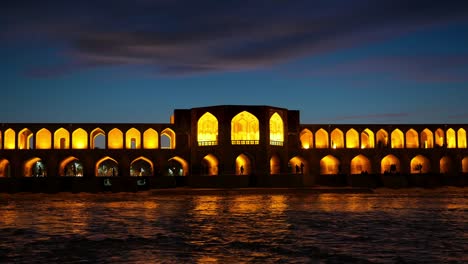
[390,164]
[106,166]
[94,137]
[1,142]
[337,139]
[412,139]
[360,164]
[71,166]
[133,139]
[465,165]
[321,138]
[276,130]
[243,165]
[178,166]
[4,168]
[299,165]
[10,139]
[352,138]
[329,165]
[275,165]
[439,137]
[115,139]
[210,165]
[367,139]
[43,139]
[382,138]
[461,136]
[420,164]
[451,138]
[61,139]
[79,139]
[397,138]
[245,129]
[141,166]
[150,139]
[34,167]
[168,139]
[446,165]
[427,139]
[207,130]
[307,139]
[25,137]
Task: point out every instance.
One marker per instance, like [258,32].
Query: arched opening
[276,130]
[61,139]
[243,165]
[439,137]
[150,139]
[382,138]
[141,166]
[465,165]
[177,167]
[1,142]
[329,165]
[10,139]
[360,164]
[210,165]
[43,139]
[451,138]
[321,138]
[133,139]
[397,138]
[390,164]
[207,128]
[352,138]
[168,139]
[306,139]
[71,166]
[79,139]
[275,165]
[98,139]
[427,139]
[367,139]
[446,165]
[412,139]
[245,129]
[34,167]
[337,140]
[461,136]
[298,165]
[115,139]
[420,164]
[107,166]
[25,139]
[4,168]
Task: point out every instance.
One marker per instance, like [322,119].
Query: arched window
[451,138]
[298,165]
[61,139]
[360,164]
[34,167]
[98,139]
[352,139]
[43,139]
[412,139]
[427,139]
[382,138]
[71,166]
[329,165]
[461,136]
[321,138]
[79,139]
[177,166]
[133,139]
[4,168]
[397,138]
[115,140]
[141,166]
[337,139]
[465,165]
[243,165]
[306,139]
[150,139]
[25,139]
[107,166]
[210,165]
[10,139]
[276,130]
[275,166]
[168,139]
[390,164]
[367,139]
[1,143]
[420,164]
[446,165]
[439,137]
[207,128]
[245,129]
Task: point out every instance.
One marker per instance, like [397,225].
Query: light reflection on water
[385,227]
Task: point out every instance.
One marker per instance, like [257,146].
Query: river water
[388,226]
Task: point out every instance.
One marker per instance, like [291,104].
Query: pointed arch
[360,164]
[61,139]
[337,138]
[243,165]
[306,138]
[207,130]
[97,139]
[329,165]
[461,137]
[133,139]
[4,168]
[465,165]
[25,137]
[420,164]
[275,165]
[276,130]
[245,129]
[390,164]
[439,137]
[397,139]
[106,166]
[43,139]
[427,139]
[115,139]
[34,167]
[352,138]
[150,139]
[141,166]
[71,166]
[367,139]
[10,139]
[382,138]
[299,165]
[446,165]
[210,165]
[79,139]
[451,138]
[1,140]
[412,139]
[168,139]
[178,166]
[321,138]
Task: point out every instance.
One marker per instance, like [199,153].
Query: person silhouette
[242,169]
[302,168]
[297,169]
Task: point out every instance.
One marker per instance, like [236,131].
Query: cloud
[187,37]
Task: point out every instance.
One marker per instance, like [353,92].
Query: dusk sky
[135,61]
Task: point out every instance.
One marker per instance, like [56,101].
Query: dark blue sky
[350,61]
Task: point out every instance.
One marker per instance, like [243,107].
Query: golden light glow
[61,139]
[115,139]
[64,164]
[210,163]
[10,139]
[183,163]
[465,165]
[4,166]
[243,165]
[1,143]
[96,132]
[439,137]
[133,135]
[451,138]
[337,138]
[28,166]
[43,139]
[245,129]
[412,139]
[397,138]
[140,172]
[276,130]
[427,138]
[387,162]
[352,139]
[321,138]
[445,165]
[367,139]
[461,135]
[297,164]
[420,164]
[150,139]
[110,170]
[382,138]
[306,138]
[80,139]
[207,130]
[329,165]
[360,164]
[275,166]
[24,139]
[169,134]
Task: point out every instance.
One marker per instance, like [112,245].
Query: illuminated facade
[235,146]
